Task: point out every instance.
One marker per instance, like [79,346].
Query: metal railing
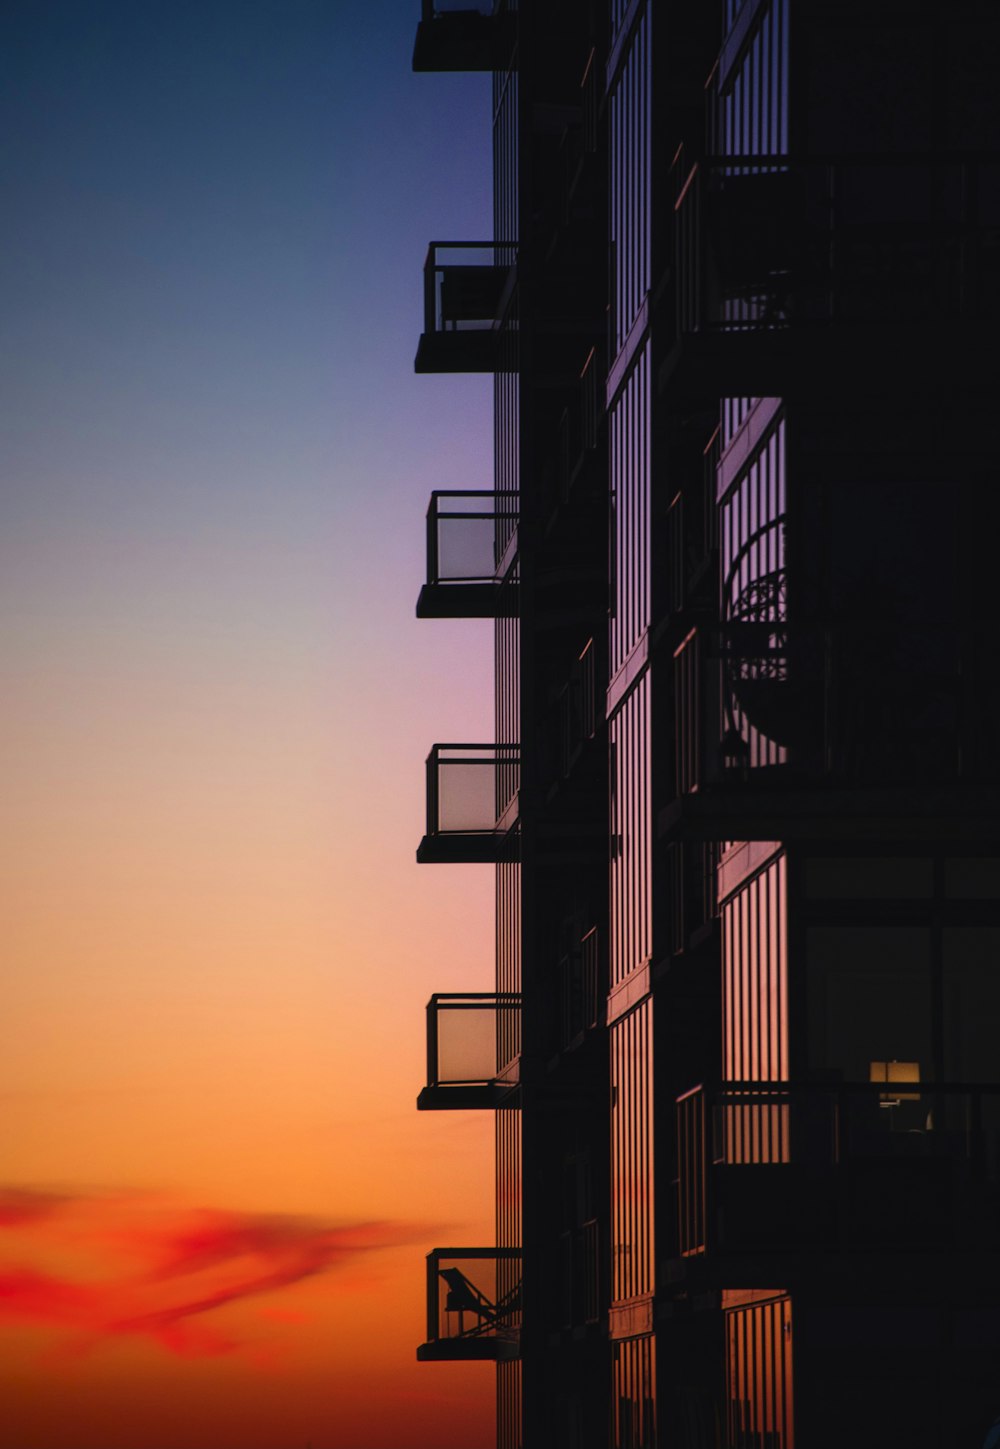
[466,285]
[472,789]
[825,1128]
[874,704]
[766,242]
[463,1048]
[465,1299]
[467,534]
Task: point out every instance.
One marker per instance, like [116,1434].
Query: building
[743,800]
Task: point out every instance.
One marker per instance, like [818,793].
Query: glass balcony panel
[469,548]
[466,548]
[467,289]
[471,1310]
[471,787]
[467,1304]
[472,803]
[466,795]
[464,1060]
[466,1042]
[467,286]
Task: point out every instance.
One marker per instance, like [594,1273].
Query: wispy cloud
[20,1205]
[157,1270]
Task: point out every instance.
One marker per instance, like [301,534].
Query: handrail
[467,1296]
[772,1126]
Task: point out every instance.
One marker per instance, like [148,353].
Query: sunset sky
[215,1191]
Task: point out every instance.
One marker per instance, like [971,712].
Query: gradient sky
[215,1192]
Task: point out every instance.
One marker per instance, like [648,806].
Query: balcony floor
[476,1097]
[462,41]
[747,811]
[475,848]
[499,1349]
[458,601]
[474,351]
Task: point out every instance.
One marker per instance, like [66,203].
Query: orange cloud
[170,1266]
[19,1205]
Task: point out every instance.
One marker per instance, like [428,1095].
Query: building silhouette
[743,799]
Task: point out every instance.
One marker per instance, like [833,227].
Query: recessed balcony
[473,1304]
[773,252]
[471,546]
[472,804]
[467,286]
[779,1167]
[464,1036]
[454,35]
[787,730]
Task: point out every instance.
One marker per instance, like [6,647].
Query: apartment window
[758,688]
[755,1014]
[759,1372]
[630,486]
[632,1153]
[751,112]
[869,989]
[631,827]
[629,163]
[634,1394]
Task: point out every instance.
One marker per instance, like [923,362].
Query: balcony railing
[465,1069]
[471,543]
[473,1303]
[472,803]
[467,286]
[462,35]
[765,243]
[878,705]
[779,1166]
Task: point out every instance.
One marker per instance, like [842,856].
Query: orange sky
[218,1190]
[215,1191]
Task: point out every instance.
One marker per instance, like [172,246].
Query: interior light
[894,1073]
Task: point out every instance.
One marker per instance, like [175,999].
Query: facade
[743,800]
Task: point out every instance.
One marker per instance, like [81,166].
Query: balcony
[473,1304]
[777,1167]
[784,729]
[472,804]
[467,286]
[454,35]
[471,546]
[464,1053]
[772,253]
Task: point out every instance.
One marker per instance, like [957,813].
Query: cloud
[155,1270]
[21,1205]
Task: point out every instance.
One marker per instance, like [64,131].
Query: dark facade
[743,800]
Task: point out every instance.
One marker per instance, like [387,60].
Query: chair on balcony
[464,1297]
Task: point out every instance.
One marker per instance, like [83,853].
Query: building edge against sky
[743,798]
